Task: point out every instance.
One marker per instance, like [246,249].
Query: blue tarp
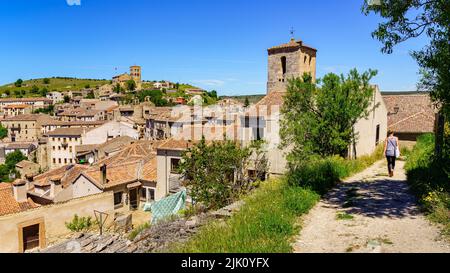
[166,207]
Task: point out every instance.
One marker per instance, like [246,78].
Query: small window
[59,160]
[174,164]
[117,198]
[151,193]
[65,160]
[283,65]
[247,122]
[377,137]
[54,160]
[306,58]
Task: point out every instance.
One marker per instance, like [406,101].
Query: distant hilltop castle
[135,74]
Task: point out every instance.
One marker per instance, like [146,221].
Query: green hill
[35,87]
[251,98]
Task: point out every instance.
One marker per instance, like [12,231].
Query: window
[71,161]
[174,164]
[117,198]
[59,160]
[151,194]
[70,148]
[54,148]
[377,137]
[54,160]
[144,194]
[283,65]
[247,122]
[306,58]
[65,160]
[59,148]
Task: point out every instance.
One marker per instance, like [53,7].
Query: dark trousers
[391,163]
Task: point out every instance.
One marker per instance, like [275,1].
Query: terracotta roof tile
[8,204]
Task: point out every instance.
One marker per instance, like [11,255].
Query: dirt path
[369,212]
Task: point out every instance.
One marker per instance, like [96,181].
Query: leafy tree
[3,132]
[215,173]
[13,158]
[66,99]
[48,110]
[17,93]
[177,86]
[46,81]
[7,92]
[90,96]
[247,102]
[411,19]
[34,89]
[131,85]
[18,83]
[320,119]
[213,94]
[117,88]
[87,86]
[44,92]
[156,96]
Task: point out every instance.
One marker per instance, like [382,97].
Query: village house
[92,153]
[25,128]
[16,110]
[163,85]
[62,142]
[27,225]
[35,103]
[56,97]
[25,148]
[130,175]
[27,168]
[410,114]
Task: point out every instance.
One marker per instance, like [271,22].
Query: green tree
[46,81]
[213,94]
[44,92]
[34,89]
[3,132]
[215,172]
[13,158]
[66,99]
[131,85]
[7,92]
[90,96]
[87,86]
[18,83]
[410,19]
[247,102]
[17,94]
[320,119]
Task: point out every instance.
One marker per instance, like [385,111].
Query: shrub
[79,223]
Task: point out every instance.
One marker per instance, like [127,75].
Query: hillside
[251,98]
[54,84]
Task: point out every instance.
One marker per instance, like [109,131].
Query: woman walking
[391,150]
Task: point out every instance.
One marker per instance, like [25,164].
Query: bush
[429,181]
[79,223]
[321,174]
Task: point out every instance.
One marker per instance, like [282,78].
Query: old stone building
[25,128]
[289,61]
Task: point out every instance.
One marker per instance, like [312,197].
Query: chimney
[55,187]
[103,169]
[20,190]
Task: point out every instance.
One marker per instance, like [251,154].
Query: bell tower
[289,61]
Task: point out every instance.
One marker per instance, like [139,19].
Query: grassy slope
[429,182]
[268,220]
[56,84]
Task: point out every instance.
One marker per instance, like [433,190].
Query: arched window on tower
[283,65]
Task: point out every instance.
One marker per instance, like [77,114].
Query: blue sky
[214,44]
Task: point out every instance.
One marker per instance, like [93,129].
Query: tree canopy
[411,19]
[319,119]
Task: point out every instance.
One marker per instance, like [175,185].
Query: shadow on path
[377,198]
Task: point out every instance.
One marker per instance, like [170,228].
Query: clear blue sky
[214,44]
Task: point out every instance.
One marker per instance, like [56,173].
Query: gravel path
[372,213]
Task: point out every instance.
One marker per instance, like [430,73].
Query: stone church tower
[288,61]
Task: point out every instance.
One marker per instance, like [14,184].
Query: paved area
[371,213]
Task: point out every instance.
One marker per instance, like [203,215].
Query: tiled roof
[18,145]
[41,118]
[416,113]
[292,44]
[8,204]
[68,131]
[20,106]
[174,144]
[26,163]
[66,174]
[25,100]
[116,143]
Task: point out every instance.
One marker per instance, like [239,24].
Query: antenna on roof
[292,31]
